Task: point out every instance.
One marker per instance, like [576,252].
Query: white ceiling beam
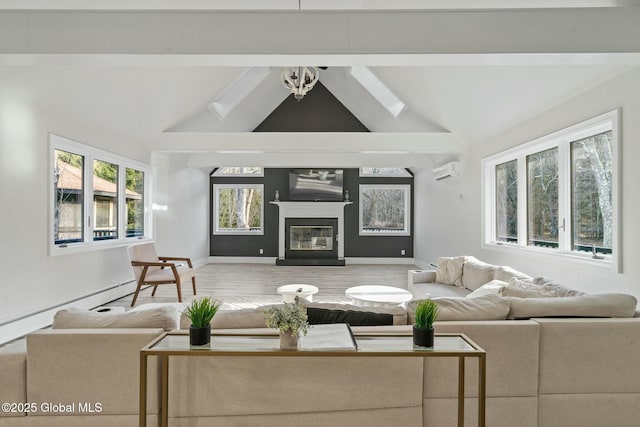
[309,5]
[311,160]
[302,142]
[220,5]
[331,60]
[561,31]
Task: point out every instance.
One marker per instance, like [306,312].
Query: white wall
[453,224]
[31,279]
[183,228]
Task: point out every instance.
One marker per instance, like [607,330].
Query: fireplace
[311,238]
[310,233]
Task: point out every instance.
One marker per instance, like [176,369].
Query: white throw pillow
[525,288]
[562,291]
[505,274]
[494,287]
[449,270]
[476,273]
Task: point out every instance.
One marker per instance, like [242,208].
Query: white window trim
[216,230]
[407,209]
[561,139]
[403,174]
[90,154]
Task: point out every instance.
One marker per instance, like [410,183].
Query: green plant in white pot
[200,312]
[291,320]
[426,313]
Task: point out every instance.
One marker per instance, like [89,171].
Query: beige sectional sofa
[545,372]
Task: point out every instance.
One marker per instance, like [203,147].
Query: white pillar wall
[310,210]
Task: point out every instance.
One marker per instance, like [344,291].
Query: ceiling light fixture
[299,80]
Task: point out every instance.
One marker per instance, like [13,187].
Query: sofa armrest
[13,377]
[421,276]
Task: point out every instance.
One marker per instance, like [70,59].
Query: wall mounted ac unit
[447,170]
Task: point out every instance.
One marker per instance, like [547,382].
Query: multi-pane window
[238,208]
[68,224]
[384,209]
[558,192]
[105,200]
[89,202]
[542,198]
[135,201]
[507,202]
[591,184]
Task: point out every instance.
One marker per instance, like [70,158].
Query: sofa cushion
[166,317]
[505,274]
[603,305]
[476,273]
[449,270]
[493,287]
[487,307]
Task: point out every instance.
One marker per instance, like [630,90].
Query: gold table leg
[143,391]
[461,375]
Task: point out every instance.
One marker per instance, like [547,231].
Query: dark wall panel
[354,244]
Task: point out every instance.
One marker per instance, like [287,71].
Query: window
[384,209]
[255,171]
[239,208]
[507,202]
[557,193]
[385,172]
[89,203]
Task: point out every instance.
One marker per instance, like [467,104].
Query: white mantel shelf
[310,210]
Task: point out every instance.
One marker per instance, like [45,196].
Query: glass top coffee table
[378,296]
[268,345]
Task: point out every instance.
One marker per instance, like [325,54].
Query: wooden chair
[151,269]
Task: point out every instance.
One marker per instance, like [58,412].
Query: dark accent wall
[372,246]
[354,244]
[318,111]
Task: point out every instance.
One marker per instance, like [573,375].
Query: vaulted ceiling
[457,93]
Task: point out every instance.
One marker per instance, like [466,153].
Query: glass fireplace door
[311,238]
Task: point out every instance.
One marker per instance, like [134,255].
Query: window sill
[608,262]
[78,248]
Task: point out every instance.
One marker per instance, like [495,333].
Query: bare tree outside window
[542,198]
[507,202]
[591,193]
[384,209]
[239,208]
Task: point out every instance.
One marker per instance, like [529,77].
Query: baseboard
[371,260]
[25,324]
[242,260]
[272,260]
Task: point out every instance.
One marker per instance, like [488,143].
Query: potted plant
[200,312]
[291,320]
[423,332]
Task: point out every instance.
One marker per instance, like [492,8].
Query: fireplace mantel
[310,210]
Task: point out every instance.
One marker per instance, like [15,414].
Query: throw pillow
[321,316]
[76,318]
[494,287]
[505,274]
[476,273]
[562,291]
[525,288]
[449,270]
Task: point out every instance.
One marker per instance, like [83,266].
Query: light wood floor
[257,283]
